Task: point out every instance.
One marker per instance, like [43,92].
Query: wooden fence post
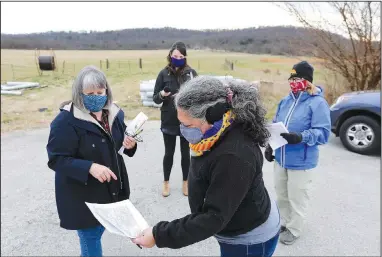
[107,64]
[13,72]
[140,63]
[63,67]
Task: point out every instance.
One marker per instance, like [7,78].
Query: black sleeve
[131,152]
[231,178]
[159,85]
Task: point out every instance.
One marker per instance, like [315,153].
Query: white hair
[90,77]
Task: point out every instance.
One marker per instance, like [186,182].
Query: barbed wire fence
[68,69]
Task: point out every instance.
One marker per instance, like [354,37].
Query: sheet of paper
[134,126]
[121,218]
[275,129]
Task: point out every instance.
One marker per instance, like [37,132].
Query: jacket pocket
[167,83]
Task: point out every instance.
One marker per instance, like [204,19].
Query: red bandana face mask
[298,85]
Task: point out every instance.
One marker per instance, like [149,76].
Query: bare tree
[356,53]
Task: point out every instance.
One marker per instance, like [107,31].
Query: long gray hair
[90,77]
[202,92]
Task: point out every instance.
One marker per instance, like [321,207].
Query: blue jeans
[264,250]
[90,241]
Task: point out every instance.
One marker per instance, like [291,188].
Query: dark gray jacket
[174,80]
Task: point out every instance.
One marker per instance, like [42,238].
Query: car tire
[368,124]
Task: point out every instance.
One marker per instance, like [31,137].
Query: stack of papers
[275,129]
[120,218]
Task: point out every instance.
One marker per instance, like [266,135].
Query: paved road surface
[344,218]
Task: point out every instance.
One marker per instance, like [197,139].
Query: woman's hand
[101,173]
[292,138]
[129,143]
[146,239]
[268,154]
[163,93]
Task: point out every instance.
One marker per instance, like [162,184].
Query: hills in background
[262,40]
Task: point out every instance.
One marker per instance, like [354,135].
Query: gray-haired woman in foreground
[82,149]
[225,125]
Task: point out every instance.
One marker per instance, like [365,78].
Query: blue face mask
[192,135]
[94,103]
[177,62]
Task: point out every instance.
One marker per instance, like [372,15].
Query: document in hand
[120,218]
[275,129]
[134,127]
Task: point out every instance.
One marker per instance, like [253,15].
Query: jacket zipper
[287,120]
[115,152]
[305,151]
[116,156]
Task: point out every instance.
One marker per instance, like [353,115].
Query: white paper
[275,129]
[120,218]
[134,126]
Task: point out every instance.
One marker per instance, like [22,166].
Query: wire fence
[69,69]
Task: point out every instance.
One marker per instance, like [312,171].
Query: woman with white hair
[306,115]
[225,125]
[82,150]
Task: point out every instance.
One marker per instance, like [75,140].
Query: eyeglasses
[295,80]
[136,136]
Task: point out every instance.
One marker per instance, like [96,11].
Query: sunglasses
[136,136]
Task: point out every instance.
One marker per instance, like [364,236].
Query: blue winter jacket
[309,115]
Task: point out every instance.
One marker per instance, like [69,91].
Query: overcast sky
[27,17]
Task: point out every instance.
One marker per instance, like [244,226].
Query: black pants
[169,145]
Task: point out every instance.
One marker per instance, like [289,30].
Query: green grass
[124,75]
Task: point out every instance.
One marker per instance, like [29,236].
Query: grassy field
[124,75]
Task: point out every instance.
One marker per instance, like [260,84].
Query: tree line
[280,40]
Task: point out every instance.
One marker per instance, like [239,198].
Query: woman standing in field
[167,85]
[82,150]
[306,115]
[225,124]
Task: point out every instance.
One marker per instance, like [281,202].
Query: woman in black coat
[82,150]
[226,126]
[167,85]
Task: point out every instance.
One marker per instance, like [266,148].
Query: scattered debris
[8,92]
[19,86]
[11,87]
[18,83]
[42,109]
[266,71]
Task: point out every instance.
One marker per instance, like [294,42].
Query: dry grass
[21,112]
